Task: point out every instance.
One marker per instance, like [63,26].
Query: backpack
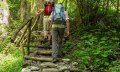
[58,14]
[48,9]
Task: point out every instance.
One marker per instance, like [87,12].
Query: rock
[66,60]
[27,63]
[61,63]
[74,64]
[48,65]
[33,63]
[35,71]
[50,70]
[67,71]
[74,69]
[33,68]
[38,64]
[32,54]
[26,70]
[64,68]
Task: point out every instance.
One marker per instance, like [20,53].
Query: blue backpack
[58,14]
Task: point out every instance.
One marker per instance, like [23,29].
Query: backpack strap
[62,11]
[54,13]
[60,14]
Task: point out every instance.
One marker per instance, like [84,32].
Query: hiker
[60,20]
[48,4]
[47,12]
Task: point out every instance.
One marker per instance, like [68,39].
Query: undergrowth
[11,59]
[95,49]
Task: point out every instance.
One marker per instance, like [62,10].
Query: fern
[3,44]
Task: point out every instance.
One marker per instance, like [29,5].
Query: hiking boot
[55,60]
[47,44]
[45,40]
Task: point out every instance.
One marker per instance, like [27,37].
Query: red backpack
[48,9]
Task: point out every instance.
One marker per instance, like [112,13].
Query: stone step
[44,52]
[48,65]
[74,70]
[31,69]
[42,59]
[50,70]
[38,46]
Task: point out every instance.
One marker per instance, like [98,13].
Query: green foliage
[11,59]
[96,51]
[96,46]
[14,8]
[68,46]
[11,63]
[13,25]
[115,66]
[3,44]
[95,34]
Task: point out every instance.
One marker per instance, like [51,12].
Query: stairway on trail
[28,35]
[40,60]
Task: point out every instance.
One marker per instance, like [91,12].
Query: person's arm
[49,25]
[68,26]
[40,11]
[67,23]
[50,22]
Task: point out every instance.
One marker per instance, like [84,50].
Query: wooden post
[40,24]
[29,35]
[22,50]
[18,29]
[35,22]
[21,37]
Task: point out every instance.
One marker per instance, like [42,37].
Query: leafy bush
[68,46]
[11,63]
[11,59]
[115,66]
[94,50]
[3,44]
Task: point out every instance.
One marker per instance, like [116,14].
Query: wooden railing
[22,35]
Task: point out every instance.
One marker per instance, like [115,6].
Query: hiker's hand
[68,33]
[49,32]
[38,14]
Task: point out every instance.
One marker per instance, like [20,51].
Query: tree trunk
[23,11]
[4,15]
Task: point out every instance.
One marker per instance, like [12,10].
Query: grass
[11,59]
[11,62]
